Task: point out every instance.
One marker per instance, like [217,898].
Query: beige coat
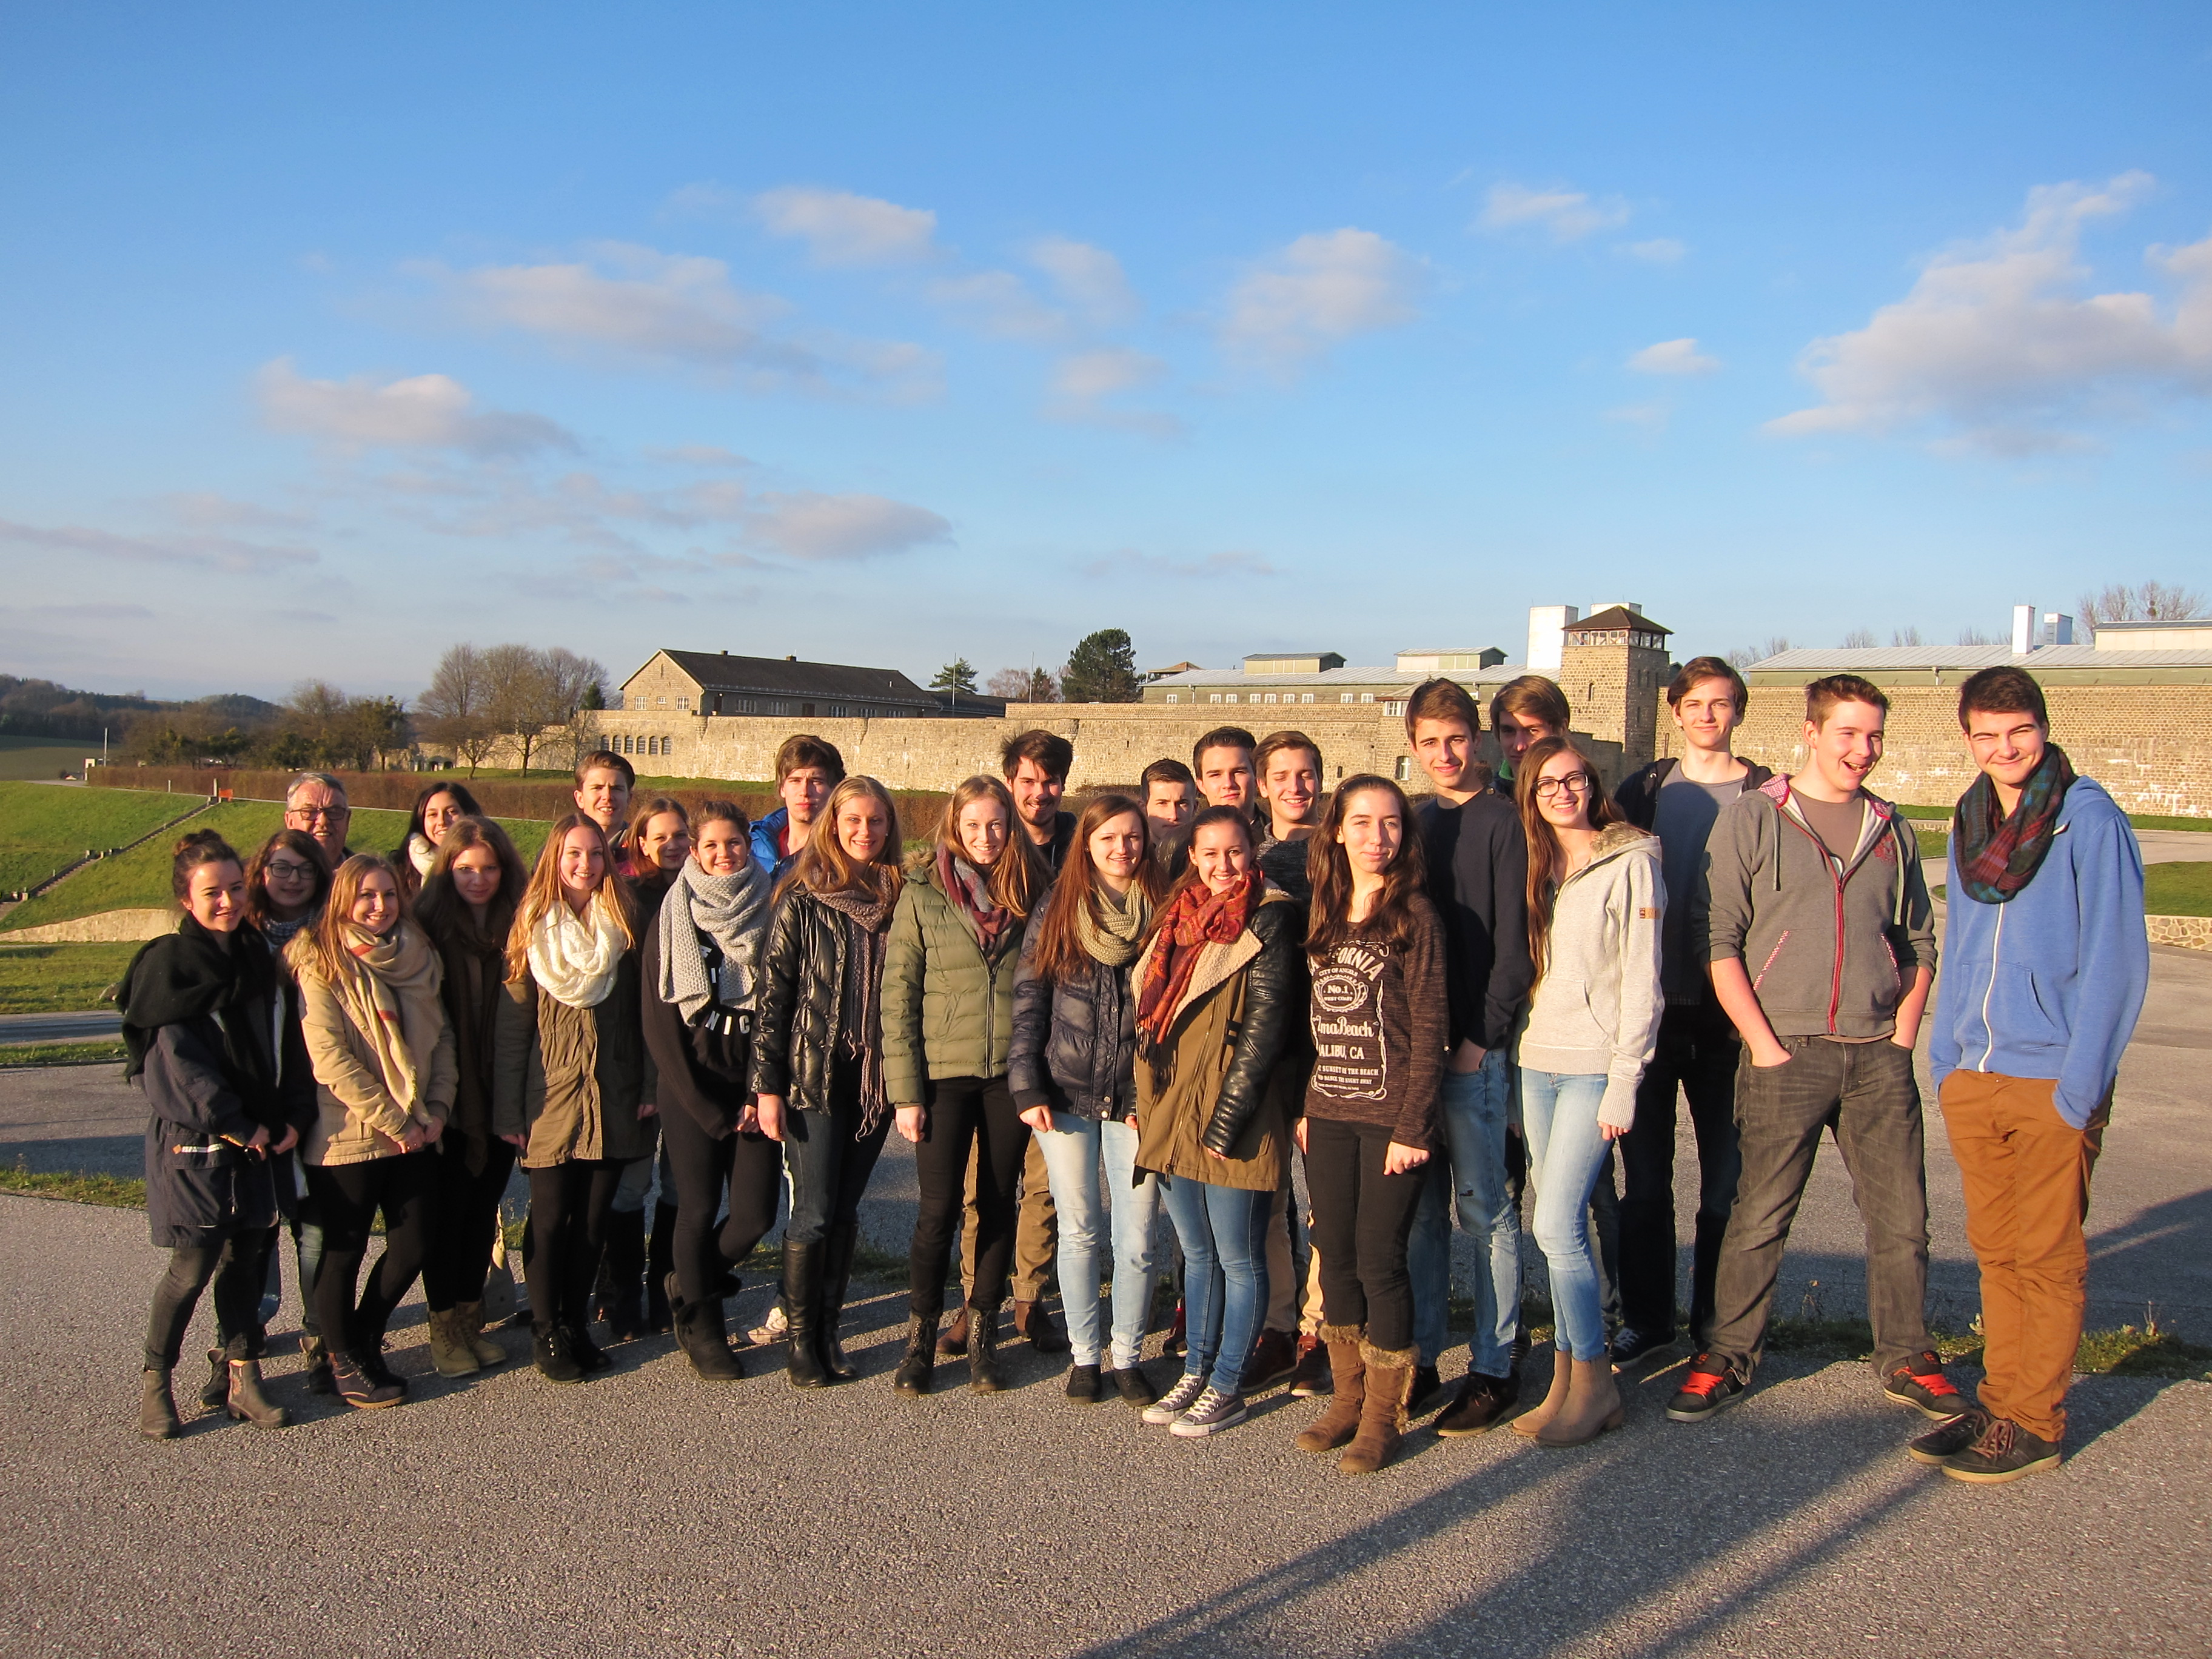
[358,1120]
[572,1078]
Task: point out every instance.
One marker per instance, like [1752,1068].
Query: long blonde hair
[1017,875]
[544,892]
[319,948]
[825,866]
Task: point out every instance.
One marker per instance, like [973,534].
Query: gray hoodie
[1828,955]
[1597,1003]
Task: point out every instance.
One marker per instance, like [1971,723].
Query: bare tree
[2152,602]
[1023,685]
[1744,655]
[456,708]
[1906,636]
[1974,636]
[1860,639]
[519,696]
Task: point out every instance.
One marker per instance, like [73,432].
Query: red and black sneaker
[1711,1388]
[1920,1384]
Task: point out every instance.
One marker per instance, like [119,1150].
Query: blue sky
[881,334]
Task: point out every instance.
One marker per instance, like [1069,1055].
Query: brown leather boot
[955,1339]
[1348,1371]
[157,1412]
[1593,1406]
[1389,1385]
[247,1403]
[1531,1423]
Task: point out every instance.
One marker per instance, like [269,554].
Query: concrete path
[90,1026]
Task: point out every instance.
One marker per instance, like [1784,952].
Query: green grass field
[47,827]
[42,757]
[59,979]
[2177,890]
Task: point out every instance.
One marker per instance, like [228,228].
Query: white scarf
[421,853]
[573,959]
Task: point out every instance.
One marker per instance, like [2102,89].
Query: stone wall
[2190,933]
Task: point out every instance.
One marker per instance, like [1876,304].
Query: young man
[1821,942]
[604,781]
[1036,765]
[1222,760]
[1169,793]
[1478,868]
[315,805]
[2046,966]
[1524,711]
[1286,768]
[807,769]
[1678,799]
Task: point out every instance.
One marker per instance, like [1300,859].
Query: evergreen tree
[958,675]
[1102,668]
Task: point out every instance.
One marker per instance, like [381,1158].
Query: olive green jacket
[572,1079]
[948,1009]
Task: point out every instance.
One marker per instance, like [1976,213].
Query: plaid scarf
[969,890]
[1196,918]
[1998,855]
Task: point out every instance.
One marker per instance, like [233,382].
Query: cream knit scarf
[573,958]
[390,991]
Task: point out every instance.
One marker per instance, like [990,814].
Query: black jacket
[800,1001]
[1478,864]
[1075,1042]
[1638,798]
[1275,992]
[705,1069]
[196,1181]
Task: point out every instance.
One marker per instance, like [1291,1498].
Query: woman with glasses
[1595,900]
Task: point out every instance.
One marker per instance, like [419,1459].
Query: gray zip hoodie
[1828,955]
[1597,1004]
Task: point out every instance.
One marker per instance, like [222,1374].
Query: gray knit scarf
[732,911]
[867,928]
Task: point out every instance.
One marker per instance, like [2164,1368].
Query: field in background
[48,979]
[41,757]
[2177,890]
[45,827]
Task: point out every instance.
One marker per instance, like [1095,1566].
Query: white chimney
[1547,635]
[2023,629]
[2057,629]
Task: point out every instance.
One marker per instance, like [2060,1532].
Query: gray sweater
[1597,1003]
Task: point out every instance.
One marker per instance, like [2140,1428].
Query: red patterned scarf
[1196,918]
[1999,856]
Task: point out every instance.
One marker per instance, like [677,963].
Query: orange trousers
[2025,1171]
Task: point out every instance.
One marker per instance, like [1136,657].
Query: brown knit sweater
[1379,1014]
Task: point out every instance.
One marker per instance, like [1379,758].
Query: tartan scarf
[1196,917]
[1998,855]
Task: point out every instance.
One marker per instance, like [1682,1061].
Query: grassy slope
[44,828]
[48,979]
[42,757]
[2177,890]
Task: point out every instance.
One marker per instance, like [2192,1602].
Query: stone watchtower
[1612,667]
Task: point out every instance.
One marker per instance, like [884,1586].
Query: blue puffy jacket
[767,841]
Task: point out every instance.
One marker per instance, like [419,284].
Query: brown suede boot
[955,1339]
[472,1317]
[247,1403]
[1531,1423]
[1388,1381]
[1348,1371]
[450,1352]
[1593,1406]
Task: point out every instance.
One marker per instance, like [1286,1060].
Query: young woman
[1374,950]
[568,1078]
[1595,904]
[1220,986]
[948,1015]
[467,909]
[383,1056]
[1072,1073]
[700,987]
[228,1092]
[818,1055]
[286,882]
[660,840]
[437,809]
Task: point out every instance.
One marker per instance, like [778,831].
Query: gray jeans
[1866,1092]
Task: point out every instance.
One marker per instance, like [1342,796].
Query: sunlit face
[214,896]
[981,829]
[1847,745]
[604,798]
[1372,830]
[720,847]
[322,812]
[1036,795]
[376,905]
[1220,853]
[1224,776]
[1562,791]
[664,842]
[864,829]
[438,815]
[1171,806]
[1707,713]
[581,864]
[803,791]
[1291,787]
[1445,749]
[474,873]
[2009,745]
[1117,847]
[1517,732]
[288,882]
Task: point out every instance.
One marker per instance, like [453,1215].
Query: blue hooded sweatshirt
[2048,983]
[768,840]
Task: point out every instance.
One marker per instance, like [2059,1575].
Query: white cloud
[1568,215]
[1089,279]
[1997,346]
[805,524]
[1674,357]
[1326,286]
[224,553]
[998,302]
[839,228]
[712,456]
[426,411]
[1084,380]
[1659,250]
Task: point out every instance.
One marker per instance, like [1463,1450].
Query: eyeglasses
[291,870]
[1574,783]
[319,814]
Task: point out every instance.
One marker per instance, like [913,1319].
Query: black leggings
[965,1111]
[1361,1220]
[830,1160]
[238,1265]
[569,1207]
[350,1195]
[747,1169]
[464,1222]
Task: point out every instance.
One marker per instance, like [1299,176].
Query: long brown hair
[1059,953]
[301,845]
[319,948]
[542,891]
[1205,820]
[1328,867]
[823,865]
[1547,859]
[1014,878]
[440,907]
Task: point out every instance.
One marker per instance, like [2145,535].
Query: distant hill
[41,708]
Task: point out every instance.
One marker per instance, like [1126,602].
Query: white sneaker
[1212,1411]
[1176,1400]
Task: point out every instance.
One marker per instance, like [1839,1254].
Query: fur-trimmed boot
[1593,1406]
[450,1352]
[1531,1423]
[1347,1372]
[247,1403]
[912,1374]
[1388,1381]
[157,1410]
[469,1319]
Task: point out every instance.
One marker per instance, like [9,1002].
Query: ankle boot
[954,1342]
[1529,1424]
[317,1353]
[836,1275]
[983,1373]
[469,1321]
[919,1360]
[802,1305]
[585,1351]
[660,1258]
[216,1388]
[350,1378]
[622,1279]
[1347,1370]
[450,1352]
[1389,1385]
[247,1403]
[550,1349]
[1593,1406]
[157,1412]
[705,1339]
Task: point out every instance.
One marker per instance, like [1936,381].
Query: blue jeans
[1090,1165]
[1566,1149]
[1475,1107]
[1224,1233]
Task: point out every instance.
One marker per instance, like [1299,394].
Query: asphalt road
[60,1028]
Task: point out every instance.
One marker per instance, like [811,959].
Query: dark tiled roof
[1616,618]
[716,670]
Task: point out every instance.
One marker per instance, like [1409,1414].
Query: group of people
[1458,1007]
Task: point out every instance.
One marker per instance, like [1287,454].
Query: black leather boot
[705,1339]
[836,1275]
[217,1389]
[660,1258]
[622,1279]
[802,1305]
[912,1374]
[983,1373]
